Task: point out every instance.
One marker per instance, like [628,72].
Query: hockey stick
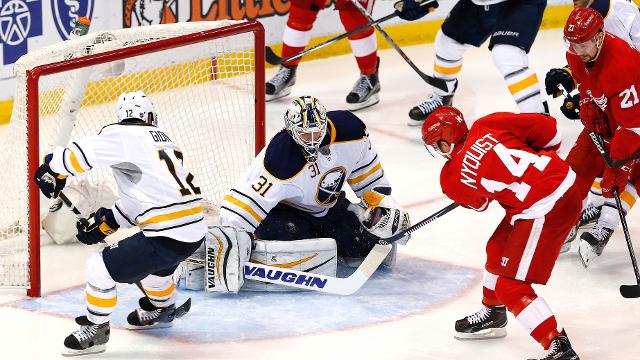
[179,311]
[274,59]
[435,82]
[627,291]
[417,226]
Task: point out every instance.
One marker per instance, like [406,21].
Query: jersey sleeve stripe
[364,176]
[555,141]
[64,161]
[84,157]
[74,163]
[174,226]
[369,183]
[366,166]
[172,216]
[240,215]
[244,207]
[250,199]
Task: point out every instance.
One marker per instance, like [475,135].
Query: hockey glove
[593,119]
[49,182]
[98,226]
[571,107]
[557,77]
[412,10]
[615,179]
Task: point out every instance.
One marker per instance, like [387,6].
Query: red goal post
[218,87]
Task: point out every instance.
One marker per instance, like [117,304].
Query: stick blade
[271,57]
[630,291]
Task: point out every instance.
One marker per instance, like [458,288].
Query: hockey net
[205,79]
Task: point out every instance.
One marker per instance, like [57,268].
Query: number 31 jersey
[509,158]
[156,192]
[281,174]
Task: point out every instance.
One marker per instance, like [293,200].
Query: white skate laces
[479,316]
[362,86]
[433,102]
[85,332]
[282,76]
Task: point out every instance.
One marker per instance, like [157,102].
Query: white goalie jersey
[280,173]
[155,191]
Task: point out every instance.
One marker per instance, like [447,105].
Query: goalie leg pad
[227,249]
[317,256]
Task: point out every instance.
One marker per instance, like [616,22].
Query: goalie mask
[306,122]
[136,105]
[444,129]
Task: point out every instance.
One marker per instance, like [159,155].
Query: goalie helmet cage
[205,79]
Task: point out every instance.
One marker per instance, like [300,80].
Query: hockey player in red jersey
[511,158]
[297,34]
[605,69]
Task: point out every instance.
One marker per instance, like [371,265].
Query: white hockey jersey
[156,192]
[621,18]
[280,173]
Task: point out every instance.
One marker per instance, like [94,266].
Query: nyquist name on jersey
[472,157]
[288,277]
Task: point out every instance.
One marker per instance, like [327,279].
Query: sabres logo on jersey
[330,185]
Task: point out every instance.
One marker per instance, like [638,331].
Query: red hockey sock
[531,311]
[363,44]
[297,32]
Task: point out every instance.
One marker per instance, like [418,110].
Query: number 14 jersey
[509,158]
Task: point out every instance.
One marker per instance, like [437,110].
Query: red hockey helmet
[582,25]
[446,124]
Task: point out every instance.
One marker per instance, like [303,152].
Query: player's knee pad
[509,59]
[449,49]
[317,256]
[227,249]
[97,274]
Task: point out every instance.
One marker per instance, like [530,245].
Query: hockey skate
[89,339]
[487,323]
[281,84]
[593,242]
[560,349]
[365,91]
[418,114]
[149,316]
[589,216]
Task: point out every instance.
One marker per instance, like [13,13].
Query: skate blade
[495,333]
[372,100]
[285,92]
[586,253]
[159,325]
[97,349]
[565,248]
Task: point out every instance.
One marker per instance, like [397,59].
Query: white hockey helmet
[306,122]
[136,105]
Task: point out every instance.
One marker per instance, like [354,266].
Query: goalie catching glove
[382,216]
[97,227]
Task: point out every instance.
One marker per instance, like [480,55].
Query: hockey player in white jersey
[600,216]
[512,26]
[291,197]
[156,194]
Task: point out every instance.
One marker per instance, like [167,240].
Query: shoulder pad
[345,126]
[283,158]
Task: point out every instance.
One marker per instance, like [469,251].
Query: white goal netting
[203,87]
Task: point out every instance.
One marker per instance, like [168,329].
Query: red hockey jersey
[613,82]
[509,158]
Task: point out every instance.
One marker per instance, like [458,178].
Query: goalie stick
[435,82]
[179,312]
[627,291]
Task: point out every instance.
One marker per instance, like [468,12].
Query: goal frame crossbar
[33,76]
